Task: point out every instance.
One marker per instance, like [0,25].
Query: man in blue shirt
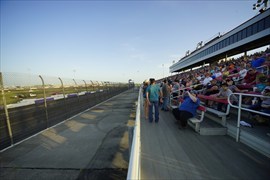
[188,108]
[257,62]
[152,95]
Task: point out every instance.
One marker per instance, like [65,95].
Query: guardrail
[263,69]
[135,155]
[181,92]
[239,106]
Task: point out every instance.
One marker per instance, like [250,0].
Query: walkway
[91,145]
[170,153]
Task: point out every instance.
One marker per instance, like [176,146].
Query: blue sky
[110,40]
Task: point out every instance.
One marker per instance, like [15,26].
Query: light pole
[74,71]
[29,77]
[163,70]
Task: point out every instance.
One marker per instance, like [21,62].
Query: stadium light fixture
[187,53]
[199,45]
[259,4]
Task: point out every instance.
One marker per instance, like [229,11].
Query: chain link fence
[30,104]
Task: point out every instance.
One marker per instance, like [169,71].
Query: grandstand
[252,34]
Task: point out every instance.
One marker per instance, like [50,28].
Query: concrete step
[244,114]
[209,127]
[213,131]
[213,117]
[255,138]
[257,143]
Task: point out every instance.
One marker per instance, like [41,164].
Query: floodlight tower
[260,3]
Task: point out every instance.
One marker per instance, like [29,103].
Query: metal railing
[240,108]
[135,155]
[263,69]
[181,92]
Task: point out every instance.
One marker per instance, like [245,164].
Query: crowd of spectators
[248,75]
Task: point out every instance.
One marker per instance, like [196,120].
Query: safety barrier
[239,106]
[263,69]
[135,155]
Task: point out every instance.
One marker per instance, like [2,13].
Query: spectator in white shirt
[207,79]
[242,72]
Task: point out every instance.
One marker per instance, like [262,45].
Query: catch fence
[30,104]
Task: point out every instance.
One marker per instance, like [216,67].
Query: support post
[6,110]
[238,118]
[45,100]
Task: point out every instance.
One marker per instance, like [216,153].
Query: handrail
[135,155]
[182,89]
[262,67]
[242,108]
[178,91]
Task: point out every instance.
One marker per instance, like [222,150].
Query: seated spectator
[231,67]
[212,71]
[257,61]
[218,73]
[197,85]
[266,101]
[198,77]
[183,82]
[234,88]
[226,72]
[222,68]
[242,72]
[224,93]
[262,105]
[196,82]
[189,82]
[262,82]
[249,80]
[207,79]
[267,60]
[212,75]
[187,109]
[211,88]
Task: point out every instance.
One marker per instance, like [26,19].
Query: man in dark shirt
[250,78]
[166,95]
[211,88]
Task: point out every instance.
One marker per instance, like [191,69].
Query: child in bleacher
[262,82]
[224,93]
[233,87]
